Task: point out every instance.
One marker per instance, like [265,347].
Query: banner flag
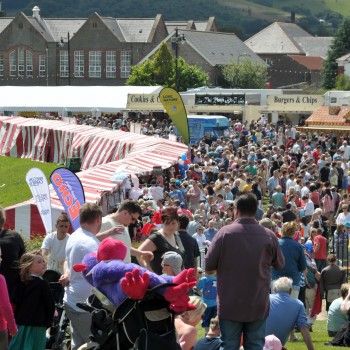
[175,108]
[70,192]
[39,187]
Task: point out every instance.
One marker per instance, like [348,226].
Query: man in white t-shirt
[53,247]
[83,241]
[128,213]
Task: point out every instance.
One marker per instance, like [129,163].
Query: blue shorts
[209,313]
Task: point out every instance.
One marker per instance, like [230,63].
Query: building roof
[172,25]
[4,22]
[314,46]
[322,116]
[201,26]
[277,38]
[344,58]
[219,48]
[310,62]
[59,28]
[136,29]
[114,27]
[215,47]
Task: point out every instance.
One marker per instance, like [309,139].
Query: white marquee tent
[63,99]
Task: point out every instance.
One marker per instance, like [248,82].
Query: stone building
[87,51]
[293,55]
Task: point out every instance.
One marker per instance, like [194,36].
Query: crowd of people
[262,215]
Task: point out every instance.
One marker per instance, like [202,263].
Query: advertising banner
[175,108]
[39,187]
[70,192]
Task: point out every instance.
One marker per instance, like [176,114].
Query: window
[29,63]
[95,64]
[42,66]
[268,62]
[111,64]
[79,64]
[94,24]
[125,64]
[64,64]
[20,62]
[20,25]
[1,65]
[13,63]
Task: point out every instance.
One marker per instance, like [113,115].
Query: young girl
[34,304]
[186,323]
[7,321]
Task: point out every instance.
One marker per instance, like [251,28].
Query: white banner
[39,187]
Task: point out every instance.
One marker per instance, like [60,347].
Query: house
[207,50]
[280,44]
[344,64]
[78,51]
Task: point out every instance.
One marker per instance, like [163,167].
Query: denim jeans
[253,334]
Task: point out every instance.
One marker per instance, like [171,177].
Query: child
[34,304]
[207,285]
[186,323]
[53,248]
[7,321]
[171,263]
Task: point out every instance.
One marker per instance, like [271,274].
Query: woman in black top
[164,240]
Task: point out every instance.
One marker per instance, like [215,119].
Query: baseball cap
[347,224]
[173,260]
[182,204]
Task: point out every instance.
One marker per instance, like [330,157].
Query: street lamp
[244,54]
[61,44]
[175,40]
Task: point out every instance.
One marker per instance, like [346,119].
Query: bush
[34,243]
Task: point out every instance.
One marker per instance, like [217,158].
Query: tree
[245,74]
[339,47]
[189,76]
[161,71]
[342,82]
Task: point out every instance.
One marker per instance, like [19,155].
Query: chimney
[36,12]
[292,17]
[334,110]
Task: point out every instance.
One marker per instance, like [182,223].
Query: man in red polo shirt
[316,153]
[320,250]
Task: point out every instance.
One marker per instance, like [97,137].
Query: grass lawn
[319,337]
[13,185]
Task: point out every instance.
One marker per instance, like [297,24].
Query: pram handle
[86,307]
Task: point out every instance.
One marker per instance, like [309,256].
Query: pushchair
[57,336]
[145,324]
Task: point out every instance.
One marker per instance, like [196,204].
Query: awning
[69,98]
[337,129]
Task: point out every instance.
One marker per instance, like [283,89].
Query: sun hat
[173,260]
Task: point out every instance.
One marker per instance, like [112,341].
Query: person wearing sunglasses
[115,225]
